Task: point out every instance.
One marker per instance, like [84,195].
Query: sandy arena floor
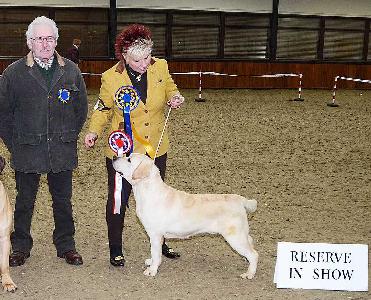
[307,164]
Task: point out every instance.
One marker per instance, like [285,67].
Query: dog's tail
[250,205]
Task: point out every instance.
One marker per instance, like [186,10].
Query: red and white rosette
[120,142]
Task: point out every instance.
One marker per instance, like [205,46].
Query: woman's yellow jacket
[146,119]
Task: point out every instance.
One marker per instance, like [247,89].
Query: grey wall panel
[345,8]
[260,6]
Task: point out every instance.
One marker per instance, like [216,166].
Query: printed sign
[322,266]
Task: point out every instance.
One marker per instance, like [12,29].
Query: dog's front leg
[154,262]
[7,282]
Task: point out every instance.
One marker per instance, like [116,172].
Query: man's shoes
[18,258]
[169,252]
[72,257]
[117,261]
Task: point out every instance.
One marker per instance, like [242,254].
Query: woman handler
[137,75]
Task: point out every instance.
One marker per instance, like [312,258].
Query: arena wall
[319,76]
[316,76]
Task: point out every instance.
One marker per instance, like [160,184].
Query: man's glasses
[41,39]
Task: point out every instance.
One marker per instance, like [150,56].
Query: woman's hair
[41,21]
[135,38]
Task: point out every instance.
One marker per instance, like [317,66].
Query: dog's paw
[148,262]
[248,275]
[150,272]
[9,286]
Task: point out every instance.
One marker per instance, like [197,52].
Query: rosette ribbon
[64,95]
[127,99]
[149,149]
[127,122]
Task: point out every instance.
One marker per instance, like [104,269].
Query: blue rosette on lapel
[64,95]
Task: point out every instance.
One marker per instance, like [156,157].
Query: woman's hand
[176,101]
[90,139]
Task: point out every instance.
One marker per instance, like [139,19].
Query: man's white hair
[41,21]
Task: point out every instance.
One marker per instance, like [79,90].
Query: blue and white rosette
[64,95]
[127,99]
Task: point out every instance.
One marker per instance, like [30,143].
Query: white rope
[204,73]
[178,73]
[354,79]
[235,75]
[277,75]
[162,133]
[219,74]
[93,74]
[189,73]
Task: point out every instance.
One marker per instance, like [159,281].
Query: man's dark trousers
[60,188]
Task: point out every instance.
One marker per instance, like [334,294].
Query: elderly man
[43,106]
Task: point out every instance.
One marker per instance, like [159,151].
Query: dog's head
[135,167]
[2,164]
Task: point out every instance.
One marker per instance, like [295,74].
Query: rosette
[120,142]
[127,97]
[64,95]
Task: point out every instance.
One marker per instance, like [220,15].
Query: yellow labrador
[168,213]
[5,227]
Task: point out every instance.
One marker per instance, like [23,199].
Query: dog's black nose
[114,158]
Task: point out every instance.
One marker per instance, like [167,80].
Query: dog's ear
[143,170]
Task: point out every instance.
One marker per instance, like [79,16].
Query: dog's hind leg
[154,262]
[243,244]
